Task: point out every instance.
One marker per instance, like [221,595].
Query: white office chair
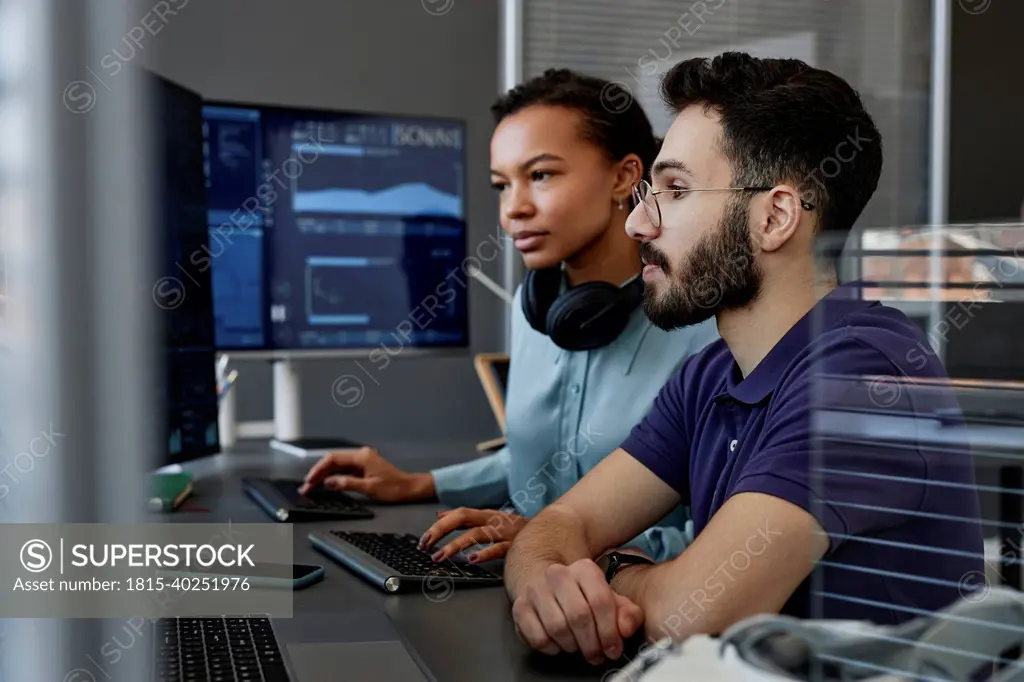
[952,644]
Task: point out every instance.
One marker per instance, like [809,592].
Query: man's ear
[779,217]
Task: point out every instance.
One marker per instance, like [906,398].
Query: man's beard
[719,274]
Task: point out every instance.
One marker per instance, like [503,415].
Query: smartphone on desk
[283,576]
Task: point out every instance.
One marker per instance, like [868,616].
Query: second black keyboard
[281,499]
[393,561]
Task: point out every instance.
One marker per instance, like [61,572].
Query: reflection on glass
[982,262]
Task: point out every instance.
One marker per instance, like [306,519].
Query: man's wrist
[631,581]
[516,581]
[627,577]
[615,560]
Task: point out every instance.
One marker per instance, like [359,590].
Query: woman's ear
[630,172]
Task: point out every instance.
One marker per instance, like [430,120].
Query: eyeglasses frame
[677,190]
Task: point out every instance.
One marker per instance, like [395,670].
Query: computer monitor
[333,231]
[183,294]
[983,340]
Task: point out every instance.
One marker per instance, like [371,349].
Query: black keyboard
[281,499]
[317,498]
[217,650]
[392,560]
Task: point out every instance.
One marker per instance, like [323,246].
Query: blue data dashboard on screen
[333,230]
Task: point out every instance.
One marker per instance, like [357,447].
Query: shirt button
[575,389]
[732,446]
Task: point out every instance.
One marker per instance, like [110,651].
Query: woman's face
[556,187]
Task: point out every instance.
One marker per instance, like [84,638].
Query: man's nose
[638,225]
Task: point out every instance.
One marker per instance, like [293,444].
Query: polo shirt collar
[825,315]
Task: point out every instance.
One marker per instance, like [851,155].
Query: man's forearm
[678,602]
[645,586]
[555,536]
[740,566]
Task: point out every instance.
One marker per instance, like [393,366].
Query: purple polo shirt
[902,520]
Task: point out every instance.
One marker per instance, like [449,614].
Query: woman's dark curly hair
[612,119]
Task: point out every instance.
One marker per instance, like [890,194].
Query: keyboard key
[400,553]
[276,674]
[217,650]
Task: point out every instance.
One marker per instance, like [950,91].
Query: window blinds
[882,47]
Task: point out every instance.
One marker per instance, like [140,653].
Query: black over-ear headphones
[583,317]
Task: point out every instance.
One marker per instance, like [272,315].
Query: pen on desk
[227,384]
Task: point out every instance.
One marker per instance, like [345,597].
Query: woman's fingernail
[612,653]
[473,557]
[423,540]
[437,555]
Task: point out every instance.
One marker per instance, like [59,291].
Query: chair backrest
[492,369]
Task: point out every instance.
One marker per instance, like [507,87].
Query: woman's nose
[518,204]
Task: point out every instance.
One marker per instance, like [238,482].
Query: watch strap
[617,561]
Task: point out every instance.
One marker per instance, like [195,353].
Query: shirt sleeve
[851,489]
[478,483]
[663,543]
[660,441]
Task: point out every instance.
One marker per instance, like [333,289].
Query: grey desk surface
[461,634]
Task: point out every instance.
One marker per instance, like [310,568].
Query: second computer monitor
[188,394]
[334,230]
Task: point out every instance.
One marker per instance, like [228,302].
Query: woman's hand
[365,471]
[487,526]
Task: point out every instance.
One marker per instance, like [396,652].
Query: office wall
[387,56]
[986,147]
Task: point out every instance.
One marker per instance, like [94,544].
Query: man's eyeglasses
[644,194]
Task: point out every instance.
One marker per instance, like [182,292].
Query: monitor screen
[233,167]
[333,230]
[983,340]
[183,294]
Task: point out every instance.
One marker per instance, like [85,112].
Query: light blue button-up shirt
[567,410]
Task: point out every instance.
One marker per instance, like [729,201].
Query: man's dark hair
[784,121]
[612,119]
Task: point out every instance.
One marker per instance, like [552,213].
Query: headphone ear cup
[540,289]
[589,316]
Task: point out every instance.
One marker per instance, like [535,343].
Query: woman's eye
[498,185]
[540,175]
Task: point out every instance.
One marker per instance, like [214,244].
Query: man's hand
[365,471]
[491,526]
[572,608]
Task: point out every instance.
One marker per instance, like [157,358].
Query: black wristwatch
[617,561]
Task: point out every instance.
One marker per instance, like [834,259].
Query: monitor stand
[287,400]
[287,423]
